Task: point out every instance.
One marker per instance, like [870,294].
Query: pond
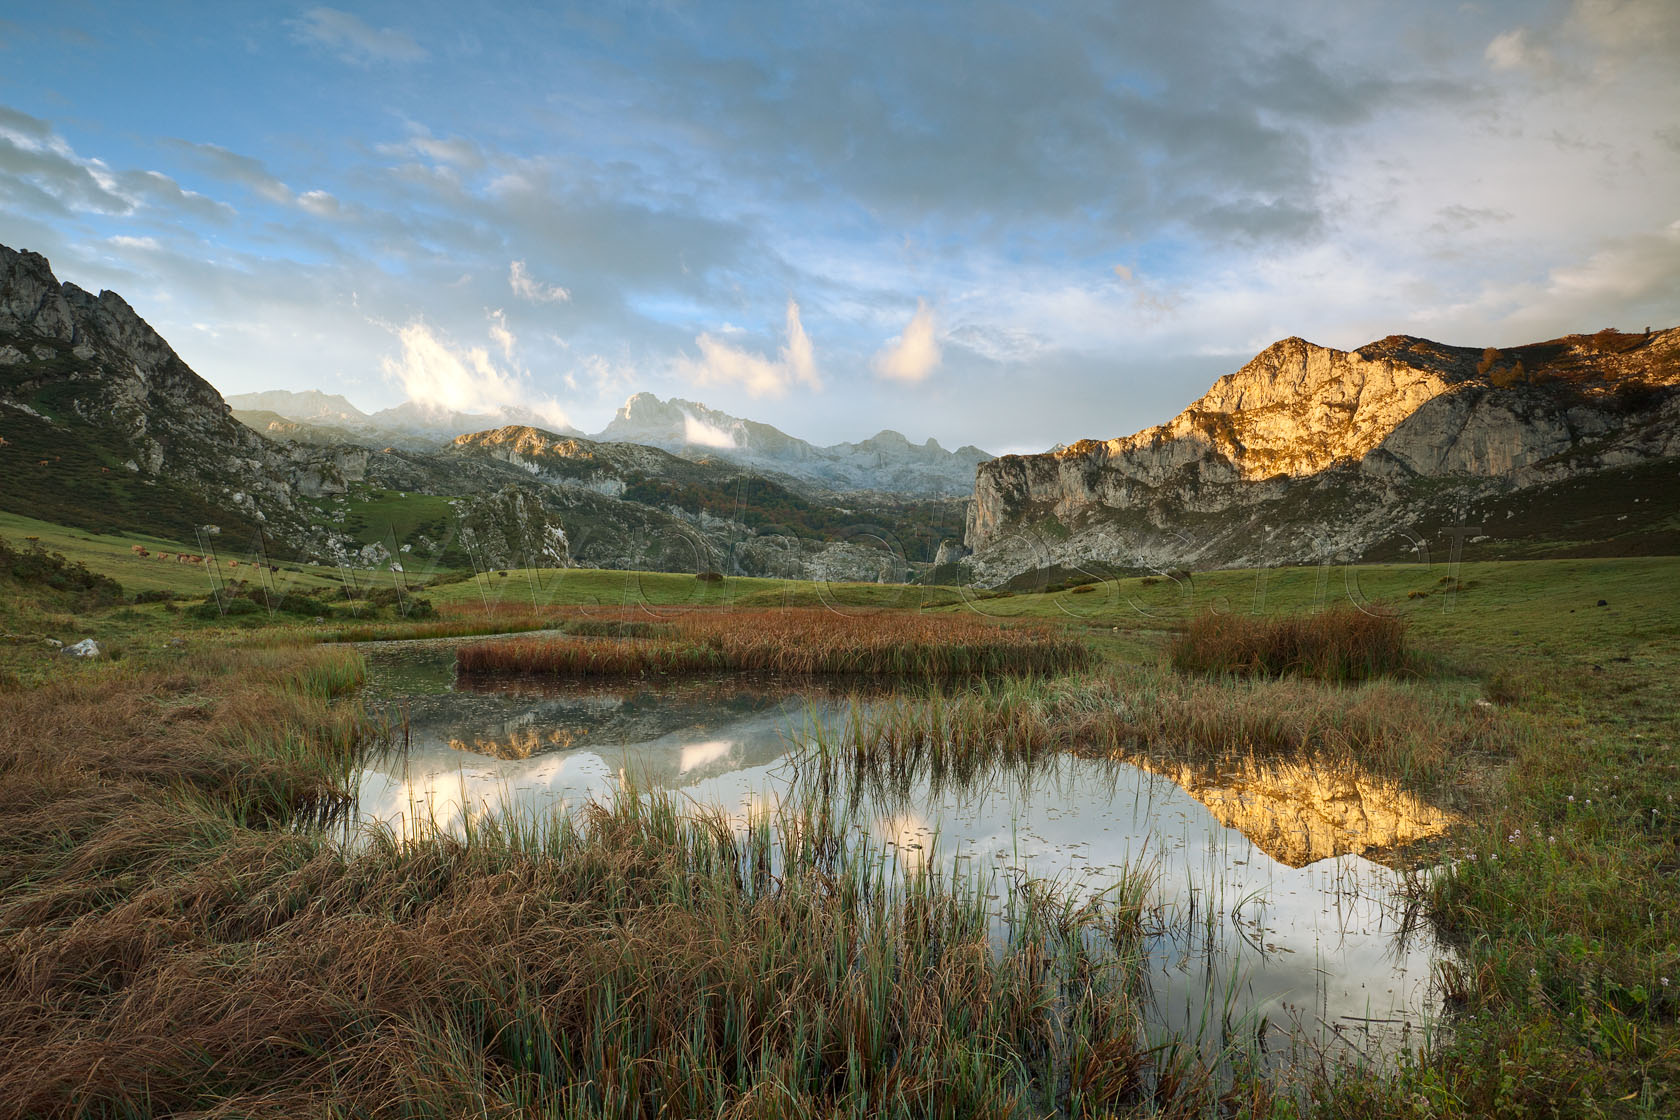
[1320,958]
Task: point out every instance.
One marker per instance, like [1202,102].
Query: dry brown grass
[171,944]
[795,641]
[1342,644]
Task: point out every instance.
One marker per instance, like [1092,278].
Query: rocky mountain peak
[1371,421]
[31,298]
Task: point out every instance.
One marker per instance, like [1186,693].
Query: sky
[1007,225]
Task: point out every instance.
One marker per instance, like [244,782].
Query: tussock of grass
[795,641]
[1342,644]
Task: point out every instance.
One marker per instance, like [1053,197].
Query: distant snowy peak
[886,461]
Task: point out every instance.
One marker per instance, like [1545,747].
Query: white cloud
[798,355]
[915,353]
[354,41]
[500,334]
[443,377]
[320,203]
[723,364]
[702,434]
[525,287]
[1517,50]
[457,151]
[1628,275]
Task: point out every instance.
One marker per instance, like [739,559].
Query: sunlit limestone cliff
[1309,453]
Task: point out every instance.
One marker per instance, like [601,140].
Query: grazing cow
[137,548]
[233,563]
[161,556]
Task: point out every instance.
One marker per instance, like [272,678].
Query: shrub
[230,607]
[420,608]
[1342,644]
[709,577]
[35,565]
[160,596]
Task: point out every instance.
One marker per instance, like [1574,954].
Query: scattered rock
[1602,603]
[87,647]
[52,643]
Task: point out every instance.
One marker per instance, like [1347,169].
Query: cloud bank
[914,354]
[442,377]
[721,364]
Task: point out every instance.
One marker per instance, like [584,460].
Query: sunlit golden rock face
[1398,409]
[522,743]
[1300,812]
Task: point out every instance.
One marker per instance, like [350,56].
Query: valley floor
[172,939]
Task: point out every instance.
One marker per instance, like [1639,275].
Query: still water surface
[1320,956]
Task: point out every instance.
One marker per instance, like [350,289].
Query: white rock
[87,647]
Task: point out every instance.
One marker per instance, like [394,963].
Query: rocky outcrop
[1309,452]
[104,422]
[511,528]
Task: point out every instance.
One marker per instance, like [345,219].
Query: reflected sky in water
[1316,950]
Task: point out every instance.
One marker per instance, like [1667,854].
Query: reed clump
[1399,730]
[794,642]
[1340,644]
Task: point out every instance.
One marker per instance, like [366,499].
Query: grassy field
[172,943]
[112,554]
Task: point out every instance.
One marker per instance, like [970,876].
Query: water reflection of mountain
[668,733]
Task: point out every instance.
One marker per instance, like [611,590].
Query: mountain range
[103,425]
[885,464]
[1401,449]
[312,416]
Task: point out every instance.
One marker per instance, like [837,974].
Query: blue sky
[972,221]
